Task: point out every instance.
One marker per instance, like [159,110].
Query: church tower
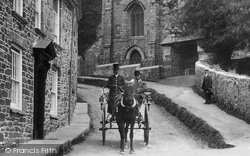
[131,30]
[141,32]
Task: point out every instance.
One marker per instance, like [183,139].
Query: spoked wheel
[146,126]
[103,125]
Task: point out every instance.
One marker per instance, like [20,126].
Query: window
[38,14]
[54,76]
[56,22]
[18,6]
[16,79]
[137,21]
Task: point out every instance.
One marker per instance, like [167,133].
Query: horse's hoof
[132,151]
[122,152]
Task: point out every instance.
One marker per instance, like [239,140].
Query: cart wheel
[146,126]
[103,125]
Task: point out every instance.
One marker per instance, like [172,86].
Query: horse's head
[128,96]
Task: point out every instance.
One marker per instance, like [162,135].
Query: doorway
[135,57]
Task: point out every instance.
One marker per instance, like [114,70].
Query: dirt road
[168,134]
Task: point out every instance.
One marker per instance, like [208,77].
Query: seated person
[139,87]
[115,84]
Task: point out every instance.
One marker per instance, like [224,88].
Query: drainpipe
[103,26]
[112,33]
[70,68]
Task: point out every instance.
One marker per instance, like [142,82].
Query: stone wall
[16,125]
[231,91]
[90,59]
[166,72]
[150,73]
[66,52]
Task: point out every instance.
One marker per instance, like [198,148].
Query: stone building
[38,64]
[139,31]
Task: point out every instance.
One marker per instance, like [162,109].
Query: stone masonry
[16,126]
[231,91]
[116,40]
[123,41]
[156,19]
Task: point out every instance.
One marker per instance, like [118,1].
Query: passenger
[139,87]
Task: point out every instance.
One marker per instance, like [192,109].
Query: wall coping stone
[104,65]
[130,65]
[124,66]
[151,67]
[202,65]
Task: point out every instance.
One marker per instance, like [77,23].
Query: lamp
[174,35]
[51,62]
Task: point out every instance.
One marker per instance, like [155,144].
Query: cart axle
[118,128]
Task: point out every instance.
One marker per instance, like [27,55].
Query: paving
[56,142]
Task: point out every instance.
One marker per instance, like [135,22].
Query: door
[135,57]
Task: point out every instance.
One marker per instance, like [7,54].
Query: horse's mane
[128,96]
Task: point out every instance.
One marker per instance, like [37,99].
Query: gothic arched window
[137,21]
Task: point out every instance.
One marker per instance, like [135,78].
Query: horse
[127,110]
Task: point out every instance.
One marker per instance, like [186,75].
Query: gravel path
[168,134]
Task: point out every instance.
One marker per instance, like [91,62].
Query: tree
[171,4]
[224,23]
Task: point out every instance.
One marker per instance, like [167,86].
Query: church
[143,32]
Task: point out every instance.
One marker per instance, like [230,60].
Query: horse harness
[120,102]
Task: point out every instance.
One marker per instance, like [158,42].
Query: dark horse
[126,116]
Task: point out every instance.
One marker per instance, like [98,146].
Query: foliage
[91,18]
[171,4]
[224,23]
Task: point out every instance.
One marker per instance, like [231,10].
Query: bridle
[129,107]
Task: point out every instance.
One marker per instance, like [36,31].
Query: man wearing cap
[207,86]
[139,86]
[115,84]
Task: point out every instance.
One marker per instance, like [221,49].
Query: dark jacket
[114,84]
[207,83]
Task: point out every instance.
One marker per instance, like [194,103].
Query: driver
[115,84]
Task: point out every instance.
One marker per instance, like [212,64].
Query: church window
[137,21]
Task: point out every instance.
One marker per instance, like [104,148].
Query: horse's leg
[126,132]
[132,136]
[121,126]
